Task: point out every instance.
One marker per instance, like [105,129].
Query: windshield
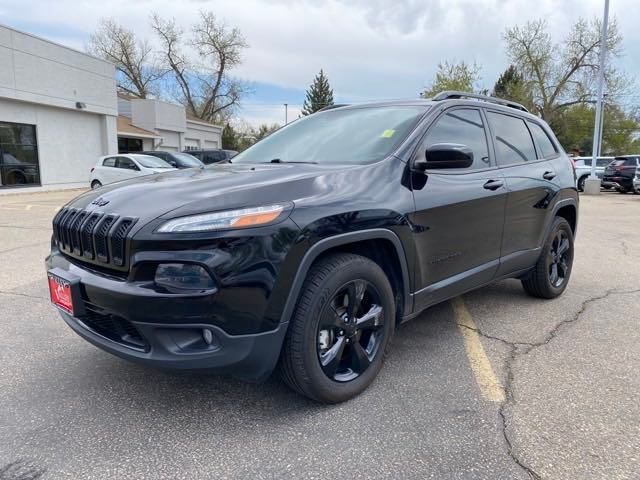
[187,160]
[352,135]
[148,161]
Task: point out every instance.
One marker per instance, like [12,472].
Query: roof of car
[478,100]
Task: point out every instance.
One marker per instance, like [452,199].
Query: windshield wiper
[277,160]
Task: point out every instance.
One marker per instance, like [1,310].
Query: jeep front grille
[92,236]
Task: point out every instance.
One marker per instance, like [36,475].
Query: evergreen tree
[508,80]
[319,95]
[230,138]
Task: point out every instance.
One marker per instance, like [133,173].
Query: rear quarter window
[109,162]
[545,144]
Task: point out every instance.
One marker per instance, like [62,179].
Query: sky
[370,49]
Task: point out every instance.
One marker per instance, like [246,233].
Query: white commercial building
[149,124]
[59,112]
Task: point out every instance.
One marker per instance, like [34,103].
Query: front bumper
[166,330]
[250,357]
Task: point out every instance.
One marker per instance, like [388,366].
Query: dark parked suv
[176,159]
[621,172]
[212,156]
[312,246]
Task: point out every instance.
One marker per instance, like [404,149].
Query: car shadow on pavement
[127,387]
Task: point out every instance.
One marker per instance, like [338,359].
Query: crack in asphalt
[519,349]
[22,227]
[4,292]
[9,250]
[625,248]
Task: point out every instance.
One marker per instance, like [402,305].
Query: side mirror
[445,155]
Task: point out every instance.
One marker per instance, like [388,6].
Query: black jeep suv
[312,246]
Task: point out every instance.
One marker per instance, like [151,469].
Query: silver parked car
[583,169]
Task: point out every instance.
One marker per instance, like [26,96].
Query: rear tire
[95,184]
[581,183]
[547,281]
[321,329]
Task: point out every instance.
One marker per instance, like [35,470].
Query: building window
[18,155]
[129,145]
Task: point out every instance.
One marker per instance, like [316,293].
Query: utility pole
[592,184]
[286,113]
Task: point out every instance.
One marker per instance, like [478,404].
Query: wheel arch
[379,245]
[566,208]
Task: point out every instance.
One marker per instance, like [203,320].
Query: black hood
[218,187]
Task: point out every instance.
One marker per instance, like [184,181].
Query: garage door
[191,144]
[210,144]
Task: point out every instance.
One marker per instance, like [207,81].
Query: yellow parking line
[480,366]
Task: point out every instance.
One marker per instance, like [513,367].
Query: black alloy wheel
[341,329]
[559,258]
[550,275]
[350,331]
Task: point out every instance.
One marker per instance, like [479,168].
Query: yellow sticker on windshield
[388,133]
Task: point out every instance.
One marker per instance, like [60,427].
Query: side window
[465,126]
[109,162]
[602,162]
[213,157]
[512,139]
[543,141]
[127,164]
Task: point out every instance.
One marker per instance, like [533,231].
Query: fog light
[207,336]
[183,276]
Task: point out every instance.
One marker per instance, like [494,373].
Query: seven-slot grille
[93,236]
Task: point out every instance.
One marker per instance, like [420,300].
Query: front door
[459,213]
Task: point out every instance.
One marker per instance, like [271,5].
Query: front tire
[95,184]
[551,273]
[341,329]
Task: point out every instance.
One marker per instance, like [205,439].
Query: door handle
[549,175]
[493,184]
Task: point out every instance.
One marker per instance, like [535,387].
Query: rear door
[530,182]
[459,213]
[108,172]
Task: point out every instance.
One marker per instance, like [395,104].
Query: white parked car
[114,168]
[583,169]
[636,182]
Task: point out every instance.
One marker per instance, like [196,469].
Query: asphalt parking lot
[493,385]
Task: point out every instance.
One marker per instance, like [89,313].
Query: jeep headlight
[226,220]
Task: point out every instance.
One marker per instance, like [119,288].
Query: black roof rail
[450,94]
[331,107]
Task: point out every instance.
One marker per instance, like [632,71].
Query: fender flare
[561,203]
[342,239]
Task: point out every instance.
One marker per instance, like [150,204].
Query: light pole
[286,113]
[592,184]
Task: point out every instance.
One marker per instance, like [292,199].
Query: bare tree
[561,75]
[138,72]
[205,86]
